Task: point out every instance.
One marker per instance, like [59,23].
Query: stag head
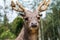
[31,19]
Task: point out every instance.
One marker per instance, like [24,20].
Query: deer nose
[33,24]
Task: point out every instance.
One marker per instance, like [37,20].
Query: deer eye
[38,17]
[26,18]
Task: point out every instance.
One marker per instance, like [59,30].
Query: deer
[31,20]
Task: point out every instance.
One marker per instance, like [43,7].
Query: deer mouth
[34,26]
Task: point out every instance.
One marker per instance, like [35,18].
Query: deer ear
[23,15]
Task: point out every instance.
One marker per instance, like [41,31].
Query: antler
[43,6]
[20,7]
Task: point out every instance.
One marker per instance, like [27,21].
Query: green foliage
[7,35]
[2,29]
[10,31]
[17,25]
[52,24]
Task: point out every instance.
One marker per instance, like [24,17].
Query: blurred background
[11,23]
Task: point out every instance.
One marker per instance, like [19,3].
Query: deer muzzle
[33,24]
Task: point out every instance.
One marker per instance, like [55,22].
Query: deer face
[32,19]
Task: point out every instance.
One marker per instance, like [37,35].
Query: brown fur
[29,31]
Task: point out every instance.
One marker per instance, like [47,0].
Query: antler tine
[43,6]
[47,3]
[13,5]
[20,5]
[40,5]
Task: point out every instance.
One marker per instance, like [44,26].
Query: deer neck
[29,35]
[33,36]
